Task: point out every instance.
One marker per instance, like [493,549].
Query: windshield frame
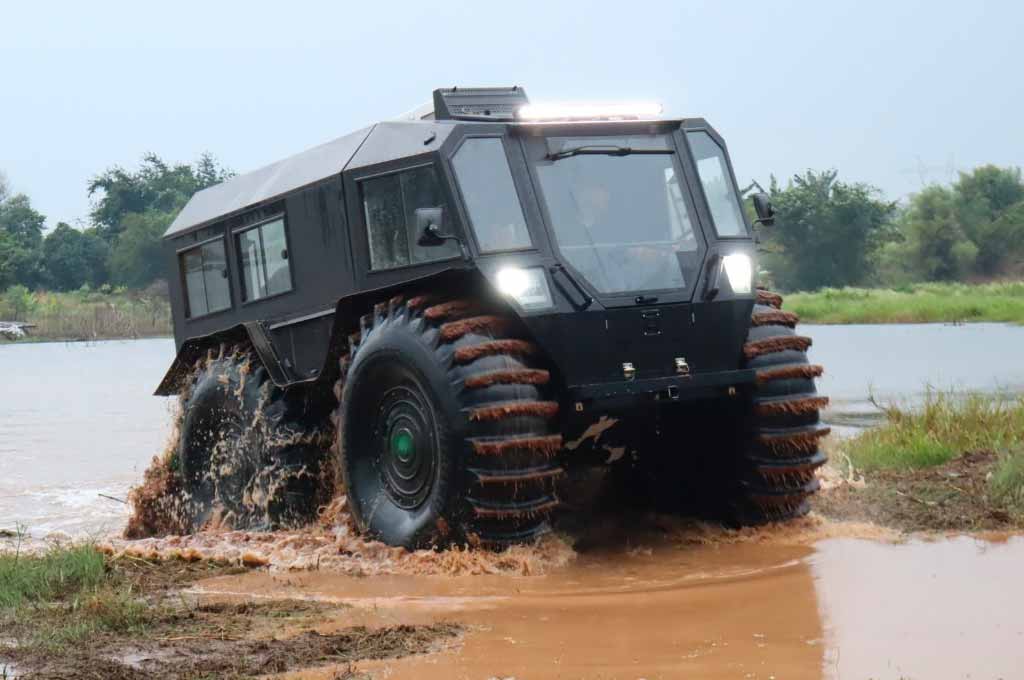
[536,144]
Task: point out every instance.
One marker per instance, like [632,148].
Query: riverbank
[73,612]
[918,303]
[86,315]
[955,463]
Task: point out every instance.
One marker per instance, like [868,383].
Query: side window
[389,206]
[491,200]
[263,257]
[205,273]
[714,177]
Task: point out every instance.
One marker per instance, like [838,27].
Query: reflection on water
[846,608]
[899,362]
[943,609]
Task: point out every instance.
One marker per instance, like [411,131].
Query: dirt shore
[954,496]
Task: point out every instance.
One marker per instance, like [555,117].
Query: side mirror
[763,208]
[429,222]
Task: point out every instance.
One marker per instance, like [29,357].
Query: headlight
[527,287]
[740,271]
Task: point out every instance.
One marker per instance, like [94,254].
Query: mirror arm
[452,237]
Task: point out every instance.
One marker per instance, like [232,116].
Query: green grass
[1007,481]
[54,599]
[54,575]
[917,303]
[943,427]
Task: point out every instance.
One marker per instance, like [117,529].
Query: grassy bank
[918,303]
[88,314]
[956,462]
[76,614]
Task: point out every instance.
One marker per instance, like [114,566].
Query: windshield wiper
[604,150]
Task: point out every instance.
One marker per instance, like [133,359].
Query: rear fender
[194,349]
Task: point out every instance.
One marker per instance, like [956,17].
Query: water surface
[78,420]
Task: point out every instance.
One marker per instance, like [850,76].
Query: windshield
[617,210]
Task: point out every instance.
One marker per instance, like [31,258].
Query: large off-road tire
[778,463]
[250,456]
[445,426]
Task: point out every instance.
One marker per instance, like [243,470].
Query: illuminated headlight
[740,271]
[527,287]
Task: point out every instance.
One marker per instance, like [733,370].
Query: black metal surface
[587,337]
[662,389]
[267,183]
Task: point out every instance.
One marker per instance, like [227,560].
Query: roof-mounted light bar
[582,112]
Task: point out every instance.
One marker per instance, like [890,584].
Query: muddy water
[842,608]
[78,419]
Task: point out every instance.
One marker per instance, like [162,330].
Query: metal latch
[651,321]
[628,371]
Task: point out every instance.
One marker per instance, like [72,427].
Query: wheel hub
[406,443]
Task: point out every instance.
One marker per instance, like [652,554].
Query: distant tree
[1001,243]
[137,258]
[155,186]
[937,246]
[72,258]
[21,240]
[5,188]
[988,190]
[825,231]
[981,197]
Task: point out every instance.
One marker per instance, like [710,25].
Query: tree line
[830,233]
[120,243]
[827,232]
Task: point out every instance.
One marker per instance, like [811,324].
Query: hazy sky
[887,92]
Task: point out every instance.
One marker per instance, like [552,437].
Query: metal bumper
[628,393]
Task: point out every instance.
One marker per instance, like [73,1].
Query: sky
[896,94]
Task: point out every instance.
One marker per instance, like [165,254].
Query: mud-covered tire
[249,455]
[458,382]
[778,463]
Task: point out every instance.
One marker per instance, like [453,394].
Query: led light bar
[620,111]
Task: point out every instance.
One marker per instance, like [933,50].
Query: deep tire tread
[779,465]
[510,446]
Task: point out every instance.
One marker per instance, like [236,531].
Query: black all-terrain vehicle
[487,296]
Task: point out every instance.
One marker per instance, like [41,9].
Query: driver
[594,202]
[637,266]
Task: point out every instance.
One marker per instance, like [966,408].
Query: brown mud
[181,636]
[213,655]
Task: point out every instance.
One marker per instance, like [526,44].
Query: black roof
[267,183]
